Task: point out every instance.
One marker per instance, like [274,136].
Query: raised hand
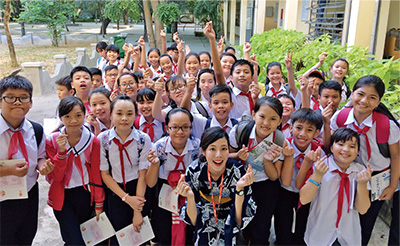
[183,188]
[163,34]
[246,47]
[159,85]
[246,180]
[312,156]
[153,158]
[243,153]
[191,82]
[322,57]
[365,175]
[320,167]
[141,41]
[255,90]
[61,141]
[288,60]
[287,151]
[175,37]
[209,31]
[327,113]
[272,154]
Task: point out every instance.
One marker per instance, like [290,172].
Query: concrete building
[355,22]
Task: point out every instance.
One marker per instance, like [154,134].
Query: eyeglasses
[179,87]
[13,99]
[130,85]
[112,75]
[183,128]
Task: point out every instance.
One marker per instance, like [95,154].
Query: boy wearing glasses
[20,139]
[111,75]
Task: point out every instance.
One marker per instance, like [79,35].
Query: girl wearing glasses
[169,159]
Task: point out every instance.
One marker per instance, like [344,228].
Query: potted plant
[168,13]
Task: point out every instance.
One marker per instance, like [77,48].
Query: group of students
[182,121]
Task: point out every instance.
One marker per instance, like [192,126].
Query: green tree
[207,10]
[53,13]
[115,10]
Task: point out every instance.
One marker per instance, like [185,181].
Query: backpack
[38,129]
[208,123]
[243,131]
[200,107]
[382,132]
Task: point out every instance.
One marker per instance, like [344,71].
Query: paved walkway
[45,107]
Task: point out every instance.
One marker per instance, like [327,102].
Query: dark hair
[219,88]
[228,54]
[109,67]
[122,97]
[344,134]
[112,47]
[173,80]
[138,75]
[243,62]
[309,116]
[155,50]
[330,84]
[192,54]
[165,55]
[15,82]
[205,53]
[230,48]
[343,60]
[288,97]
[272,102]
[65,81]
[101,45]
[95,71]
[377,83]
[101,90]
[201,72]
[130,74]
[210,136]
[146,94]
[270,65]
[173,46]
[68,103]
[176,110]
[79,69]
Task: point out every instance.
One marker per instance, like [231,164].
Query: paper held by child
[168,199]
[256,155]
[128,235]
[379,183]
[13,187]
[94,231]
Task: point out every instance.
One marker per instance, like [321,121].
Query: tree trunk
[104,25]
[23,29]
[117,24]
[158,25]
[126,22]
[149,23]
[10,43]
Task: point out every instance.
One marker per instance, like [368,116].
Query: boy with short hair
[97,79]
[315,78]
[306,125]
[221,105]
[111,74]
[64,87]
[82,83]
[24,140]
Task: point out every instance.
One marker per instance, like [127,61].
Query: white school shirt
[138,163]
[377,161]
[158,127]
[164,149]
[34,154]
[200,122]
[241,104]
[312,103]
[344,93]
[296,98]
[101,64]
[287,133]
[296,170]
[78,149]
[206,103]
[156,73]
[258,176]
[228,82]
[321,224]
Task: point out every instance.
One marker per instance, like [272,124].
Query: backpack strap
[382,132]
[342,117]
[234,121]
[136,123]
[200,107]
[208,124]
[243,131]
[287,89]
[38,129]
[279,138]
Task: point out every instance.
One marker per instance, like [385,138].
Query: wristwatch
[124,198]
[239,193]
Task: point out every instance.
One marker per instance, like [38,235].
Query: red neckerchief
[316,103]
[13,147]
[275,93]
[251,102]
[78,163]
[212,194]
[364,131]
[149,129]
[121,148]
[285,126]
[179,160]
